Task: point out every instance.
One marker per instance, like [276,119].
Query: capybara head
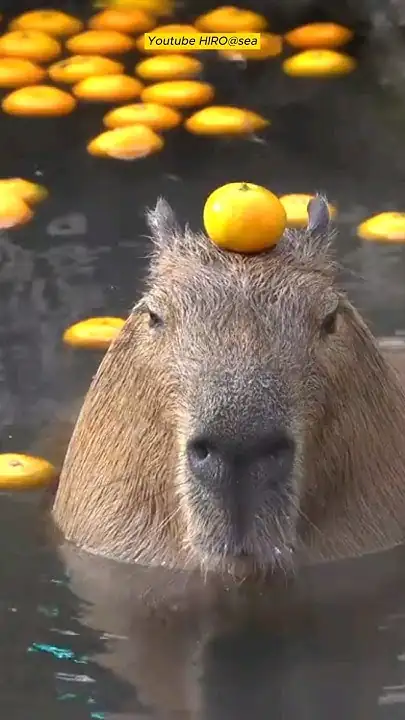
[256,353]
[243,419]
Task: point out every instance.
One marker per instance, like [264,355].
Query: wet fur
[121,492]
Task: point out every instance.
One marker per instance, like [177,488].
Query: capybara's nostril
[206,460]
[199,452]
[214,459]
[200,449]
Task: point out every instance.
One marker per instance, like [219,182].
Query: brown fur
[124,491]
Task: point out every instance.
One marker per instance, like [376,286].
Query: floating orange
[53,22]
[18,71]
[222,120]
[319,35]
[166,67]
[94,333]
[19,472]
[172,40]
[38,100]
[78,67]
[231,19]
[126,21]
[30,44]
[30,192]
[157,117]
[13,210]
[108,88]
[179,93]
[270,46]
[386,226]
[100,42]
[296,207]
[155,7]
[318,63]
[126,143]
[244,217]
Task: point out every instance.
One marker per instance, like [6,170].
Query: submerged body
[244,419]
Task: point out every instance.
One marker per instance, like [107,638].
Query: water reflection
[46,653]
[329,644]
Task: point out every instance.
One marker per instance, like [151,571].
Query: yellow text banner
[201,41]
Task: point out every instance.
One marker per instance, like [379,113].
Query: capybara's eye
[155,320]
[329,323]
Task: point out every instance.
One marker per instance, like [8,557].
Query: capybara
[244,419]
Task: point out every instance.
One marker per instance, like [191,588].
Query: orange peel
[244,217]
[21,472]
[179,93]
[100,42]
[95,333]
[158,117]
[126,143]
[38,101]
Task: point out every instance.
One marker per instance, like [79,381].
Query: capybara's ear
[162,223]
[313,246]
[318,215]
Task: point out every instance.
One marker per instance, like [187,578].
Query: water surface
[86,639]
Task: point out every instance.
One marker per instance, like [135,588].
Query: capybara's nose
[215,459]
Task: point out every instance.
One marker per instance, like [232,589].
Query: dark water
[86,639]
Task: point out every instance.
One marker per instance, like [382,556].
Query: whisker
[167,520]
[305,517]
